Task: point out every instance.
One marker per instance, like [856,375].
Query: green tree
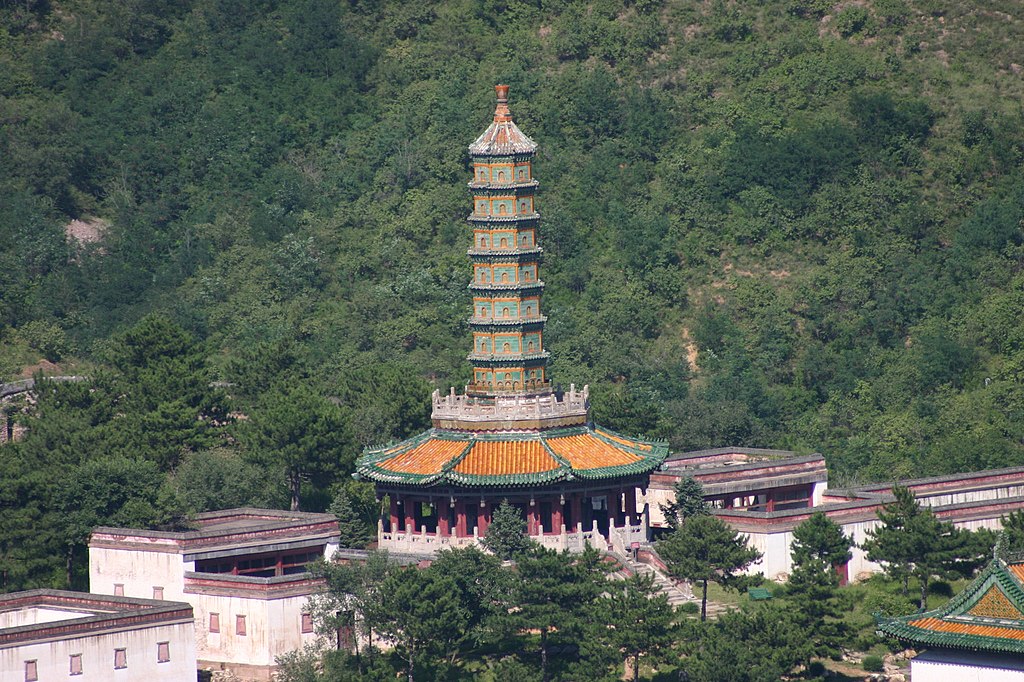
[1012,535]
[706,549]
[764,644]
[506,534]
[422,614]
[912,541]
[484,587]
[822,539]
[818,548]
[687,501]
[300,434]
[353,595]
[556,596]
[354,529]
[642,620]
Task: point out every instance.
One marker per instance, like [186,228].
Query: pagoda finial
[501,112]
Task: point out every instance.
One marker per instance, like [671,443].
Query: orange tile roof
[425,458]
[1018,571]
[624,441]
[936,625]
[583,451]
[499,458]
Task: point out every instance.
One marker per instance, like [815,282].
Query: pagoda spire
[508,355]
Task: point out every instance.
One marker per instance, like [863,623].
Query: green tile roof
[987,616]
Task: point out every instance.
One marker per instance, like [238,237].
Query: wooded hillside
[789,224]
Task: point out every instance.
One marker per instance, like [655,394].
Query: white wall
[53,658]
[273,627]
[942,666]
[138,571]
[35,616]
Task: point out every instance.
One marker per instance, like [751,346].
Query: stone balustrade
[463,408]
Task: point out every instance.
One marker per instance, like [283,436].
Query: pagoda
[510,435]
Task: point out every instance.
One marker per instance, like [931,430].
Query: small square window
[307,622]
[240,625]
[75,664]
[118,590]
[163,652]
[31,671]
[214,622]
[120,659]
[158,593]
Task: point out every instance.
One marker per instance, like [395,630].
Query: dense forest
[793,224]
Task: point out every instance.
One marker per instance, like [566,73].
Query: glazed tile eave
[965,622]
[510,458]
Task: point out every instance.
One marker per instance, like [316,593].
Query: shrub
[690,607]
[851,20]
[816,669]
[873,664]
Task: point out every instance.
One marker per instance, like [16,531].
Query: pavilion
[978,636]
[510,435]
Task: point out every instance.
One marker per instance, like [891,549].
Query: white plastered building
[57,635]
[242,570]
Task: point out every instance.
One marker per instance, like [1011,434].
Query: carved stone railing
[451,410]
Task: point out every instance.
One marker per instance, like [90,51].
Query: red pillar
[393,513]
[481,520]
[577,510]
[410,516]
[556,516]
[442,521]
[770,502]
[620,514]
[460,519]
[532,522]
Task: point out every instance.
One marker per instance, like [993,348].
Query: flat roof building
[55,635]
[242,570]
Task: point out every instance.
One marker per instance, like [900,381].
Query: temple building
[510,435]
[978,636]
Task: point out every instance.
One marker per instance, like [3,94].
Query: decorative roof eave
[956,613]
[949,640]
[647,460]
[502,138]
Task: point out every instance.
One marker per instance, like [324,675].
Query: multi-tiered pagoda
[509,436]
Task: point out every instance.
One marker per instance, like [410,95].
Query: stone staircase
[677,593]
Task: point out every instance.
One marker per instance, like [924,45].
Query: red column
[442,521]
[460,519]
[620,514]
[410,516]
[556,516]
[532,520]
[481,520]
[577,510]
[770,502]
[393,513]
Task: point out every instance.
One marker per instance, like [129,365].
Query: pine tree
[354,530]
[642,618]
[705,549]
[688,501]
[819,547]
[506,535]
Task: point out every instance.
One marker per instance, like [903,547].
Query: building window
[31,671]
[158,593]
[240,625]
[75,664]
[307,622]
[118,589]
[214,622]
[163,652]
[120,659]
